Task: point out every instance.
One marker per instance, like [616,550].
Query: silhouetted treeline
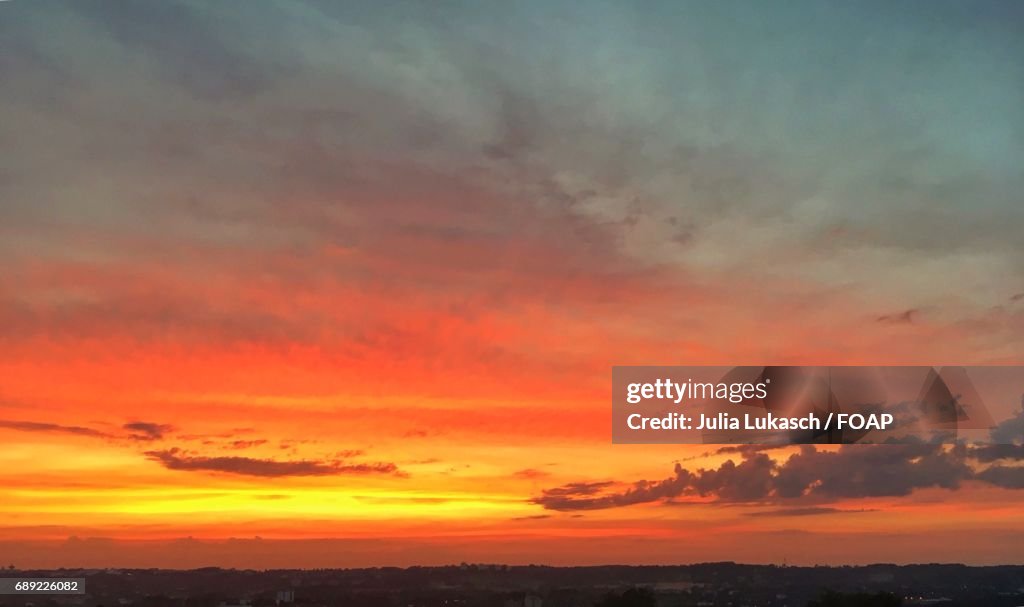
[634,597]
[830,598]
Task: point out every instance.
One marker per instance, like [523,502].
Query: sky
[341,284]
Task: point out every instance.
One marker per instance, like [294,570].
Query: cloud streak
[854,471]
[851,472]
[176,459]
[136,430]
[28,426]
[807,511]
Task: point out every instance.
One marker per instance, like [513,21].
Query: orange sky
[357,289]
[452,422]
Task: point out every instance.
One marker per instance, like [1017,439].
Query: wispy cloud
[808,511]
[905,317]
[148,430]
[28,426]
[531,473]
[176,459]
[133,431]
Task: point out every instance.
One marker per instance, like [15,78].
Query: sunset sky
[341,284]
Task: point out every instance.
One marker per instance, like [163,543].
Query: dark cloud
[576,490]
[1010,431]
[147,430]
[589,496]
[137,431]
[882,470]
[854,471]
[24,426]
[246,444]
[991,453]
[176,459]
[750,480]
[1007,477]
[905,317]
[809,511]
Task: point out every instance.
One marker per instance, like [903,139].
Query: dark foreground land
[704,585]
